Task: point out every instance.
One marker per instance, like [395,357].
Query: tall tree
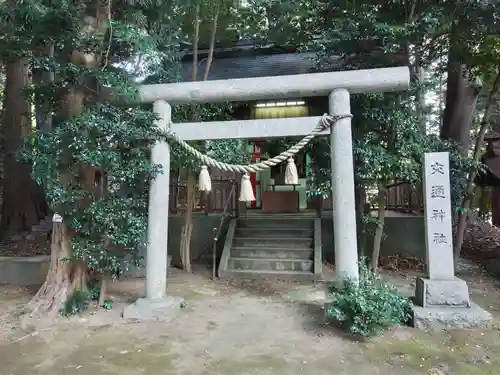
[467,25]
[79,161]
[23,201]
[487,66]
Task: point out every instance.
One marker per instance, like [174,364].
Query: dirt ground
[242,328]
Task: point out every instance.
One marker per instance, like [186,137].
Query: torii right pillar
[343,199]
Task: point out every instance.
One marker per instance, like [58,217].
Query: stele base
[445,304]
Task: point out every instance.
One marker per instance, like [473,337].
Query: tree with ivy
[94,161]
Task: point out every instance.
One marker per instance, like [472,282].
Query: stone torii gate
[338,85]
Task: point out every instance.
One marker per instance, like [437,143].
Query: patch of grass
[109,351]
[489,301]
[238,366]
[192,295]
[462,352]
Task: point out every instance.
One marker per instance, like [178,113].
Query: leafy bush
[368,307]
[77,303]
[94,286]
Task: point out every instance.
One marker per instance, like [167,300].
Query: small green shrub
[368,307]
[77,303]
[94,286]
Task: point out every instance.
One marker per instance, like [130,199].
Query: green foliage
[94,287]
[389,129]
[388,143]
[77,303]
[142,40]
[108,216]
[370,306]
[108,304]
[226,150]
[118,141]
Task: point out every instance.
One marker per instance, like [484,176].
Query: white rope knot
[325,122]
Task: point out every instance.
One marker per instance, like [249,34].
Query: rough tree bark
[187,228]
[63,278]
[43,116]
[360,197]
[23,202]
[466,202]
[495,206]
[377,241]
[461,98]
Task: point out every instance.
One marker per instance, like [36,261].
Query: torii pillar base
[145,309]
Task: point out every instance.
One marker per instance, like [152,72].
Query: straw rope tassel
[246,191]
[291,175]
[204,181]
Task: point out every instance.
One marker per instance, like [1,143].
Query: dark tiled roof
[255,66]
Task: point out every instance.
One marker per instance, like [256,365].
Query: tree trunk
[483,201]
[57,287]
[187,228]
[466,202]
[461,98]
[43,115]
[495,206]
[420,96]
[382,191]
[102,291]
[23,202]
[54,292]
[360,195]
[72,277]
[460,106]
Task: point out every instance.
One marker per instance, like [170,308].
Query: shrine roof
[491,135]
[247,60]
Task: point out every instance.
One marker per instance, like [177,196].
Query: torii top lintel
[278,87]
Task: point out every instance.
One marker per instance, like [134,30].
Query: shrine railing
[404,197]
[213,202]
[401,197]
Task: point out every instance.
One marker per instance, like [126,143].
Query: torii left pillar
[157,305]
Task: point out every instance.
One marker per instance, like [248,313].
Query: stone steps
[275,223]
[294,243]
[269,252]
[269,274]
[271,264]
[273,232]
[279,246]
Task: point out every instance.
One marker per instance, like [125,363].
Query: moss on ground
[456,352]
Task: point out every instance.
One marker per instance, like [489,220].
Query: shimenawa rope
[325,122]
